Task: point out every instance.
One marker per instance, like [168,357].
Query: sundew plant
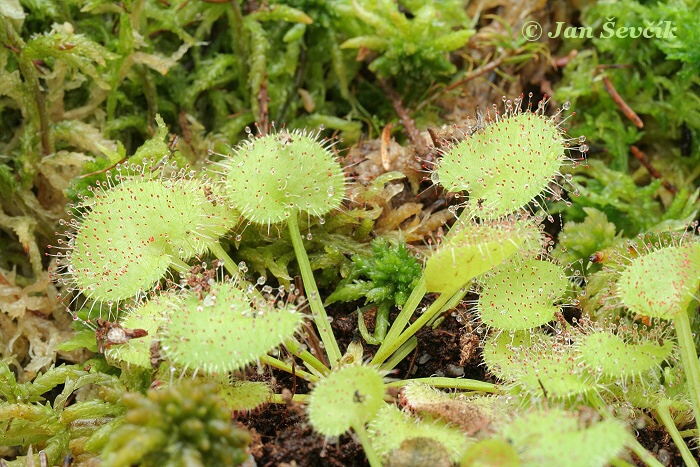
[204,281]
[204,321]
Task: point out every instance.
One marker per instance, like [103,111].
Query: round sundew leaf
[273,176]
[194,217]
[519,295]
[661,284]
[118,251]
[148,317]
[472,250]
[499,348]
[546,437]
[532,360]
[609,355]
[507,164]
[391,427]
[126,242]
[347,398]
[222,332]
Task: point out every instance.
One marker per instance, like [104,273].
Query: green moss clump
[182,425]
[392,272]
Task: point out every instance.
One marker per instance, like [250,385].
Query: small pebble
[664,456]
[454,370]
[424,358]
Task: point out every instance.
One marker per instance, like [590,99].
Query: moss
[186,424]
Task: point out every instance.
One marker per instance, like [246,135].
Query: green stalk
[221,255]
[451,383]
[390,346]
[451,303]
[312,295]
[280,365]
[312,362]
[369,338]
[298,398]
[380,327]
[372,457]
[398,356]
[646,457]
[406,312]
[689,359]
[381,321]
[664,416]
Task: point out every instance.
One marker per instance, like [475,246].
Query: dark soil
[658,441]
[283,436]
